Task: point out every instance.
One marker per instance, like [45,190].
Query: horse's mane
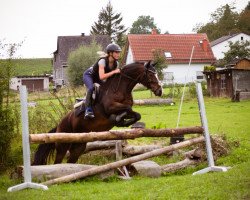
[130,68]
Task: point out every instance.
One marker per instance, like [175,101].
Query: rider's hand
[117,71]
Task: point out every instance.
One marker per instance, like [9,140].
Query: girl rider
[104,68]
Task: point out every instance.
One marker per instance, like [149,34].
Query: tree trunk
[153,101]
[111,135]
[47,172]
[135,150]
[179,165]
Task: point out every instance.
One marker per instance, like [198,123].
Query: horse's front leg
[128,119]
[122,114]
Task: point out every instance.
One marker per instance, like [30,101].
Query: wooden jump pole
[124,162]
[111,135]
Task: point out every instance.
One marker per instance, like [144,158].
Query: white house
[221,45]
[177,50]
[33,83]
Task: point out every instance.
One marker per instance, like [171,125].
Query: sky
[38,23]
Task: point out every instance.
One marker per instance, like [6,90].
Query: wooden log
[47,172]
[98,145]
[135,150]
[111,135]
[172,167]
[124,162]
[192,158]
[153,102]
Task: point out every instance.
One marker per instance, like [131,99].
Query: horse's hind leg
[61,150]
[76,150]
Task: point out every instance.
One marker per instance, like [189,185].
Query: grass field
[224,118]
[38,66]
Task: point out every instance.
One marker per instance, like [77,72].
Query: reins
[122,74]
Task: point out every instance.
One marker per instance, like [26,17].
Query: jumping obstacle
[111,135]
[120,163]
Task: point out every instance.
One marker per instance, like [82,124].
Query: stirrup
[89,115]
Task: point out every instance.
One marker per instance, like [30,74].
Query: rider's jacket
[107,69]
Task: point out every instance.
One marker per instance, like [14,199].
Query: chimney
[204,44]
[82,34]
[154,32]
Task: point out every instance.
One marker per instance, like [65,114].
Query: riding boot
[89,114]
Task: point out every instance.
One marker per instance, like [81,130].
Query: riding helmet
[113,47]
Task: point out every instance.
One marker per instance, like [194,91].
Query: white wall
[15,83]
[129,58]
[184,73]
[224,46]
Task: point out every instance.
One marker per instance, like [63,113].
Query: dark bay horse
[113,107]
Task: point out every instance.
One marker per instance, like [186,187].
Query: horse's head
[144,74]
[150,79]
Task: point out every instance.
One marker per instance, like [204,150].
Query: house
[232,81]
[33,83]
[66,44]
[177,50]
[221,45]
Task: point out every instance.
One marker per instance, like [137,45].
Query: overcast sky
[39,22]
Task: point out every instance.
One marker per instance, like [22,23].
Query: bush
[80,60]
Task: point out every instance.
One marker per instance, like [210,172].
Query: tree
[144,25]
[109,23]
[160,61]
[237,50]
[223,22]
[8,122]
[81,59]
[244,20]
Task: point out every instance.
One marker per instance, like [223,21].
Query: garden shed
[33,83]
[232,81]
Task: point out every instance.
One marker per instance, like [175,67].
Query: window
[223,82]
[168,54]
[241,38]
[199,75]
[169,76]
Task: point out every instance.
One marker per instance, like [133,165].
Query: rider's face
[116,55]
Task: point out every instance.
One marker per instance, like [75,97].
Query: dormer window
[168,54]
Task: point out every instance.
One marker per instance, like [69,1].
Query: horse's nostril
[158,92]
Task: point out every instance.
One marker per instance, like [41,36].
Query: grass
[38,66]
[224,118]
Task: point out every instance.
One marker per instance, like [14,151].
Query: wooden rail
[111,135]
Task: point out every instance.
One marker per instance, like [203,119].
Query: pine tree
[244,20]
[223,22]
[109,23]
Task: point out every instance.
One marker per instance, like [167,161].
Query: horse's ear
[147,64]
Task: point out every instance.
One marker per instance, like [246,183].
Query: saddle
[79,106]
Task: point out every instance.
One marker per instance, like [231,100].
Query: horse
[112,107]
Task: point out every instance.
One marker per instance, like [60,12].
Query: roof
[179,45]
[65,44]
[222,39]
[38,76]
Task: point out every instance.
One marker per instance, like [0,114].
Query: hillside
[36,66]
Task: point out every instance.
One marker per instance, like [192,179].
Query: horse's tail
[43,151]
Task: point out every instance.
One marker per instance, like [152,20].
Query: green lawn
[224,118]
[38,66]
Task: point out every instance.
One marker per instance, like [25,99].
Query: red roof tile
[179,45]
